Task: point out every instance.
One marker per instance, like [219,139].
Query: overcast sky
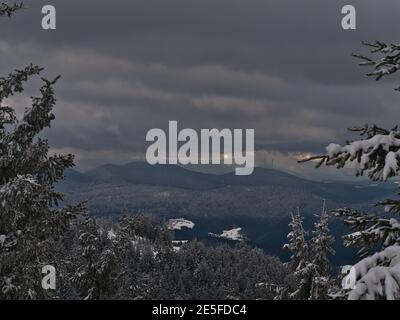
[280,67]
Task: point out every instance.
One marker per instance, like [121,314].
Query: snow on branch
[368,230]
[378,154]
[9,10]
[13,194]
[378,276]
[388,64]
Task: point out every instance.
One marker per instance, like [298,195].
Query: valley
[259,204]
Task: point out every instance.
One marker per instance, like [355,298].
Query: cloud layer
[280,67]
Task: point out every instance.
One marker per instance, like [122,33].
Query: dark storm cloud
[281,67]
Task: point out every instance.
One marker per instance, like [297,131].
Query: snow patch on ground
[233,234]
[178,224]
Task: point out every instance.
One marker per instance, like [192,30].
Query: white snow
[180,242]
[233,234]
[111,234]
[352,148]
[178,224]
[2,239]
[378,276]
[390,164]
[368,147]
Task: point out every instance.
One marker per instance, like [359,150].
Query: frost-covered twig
[389,64]
[9,10]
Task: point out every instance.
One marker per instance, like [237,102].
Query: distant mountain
[141,173]
[168,189]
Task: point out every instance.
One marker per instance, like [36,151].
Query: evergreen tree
[321,246]
[300,262]
[31,222]
[297,245]
[97,268]
[309,260]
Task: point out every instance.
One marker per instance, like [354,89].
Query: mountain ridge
[174,176]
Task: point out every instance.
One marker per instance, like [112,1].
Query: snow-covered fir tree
[377,154]
[31,224]
[309,260]
[96,273]
[300,260]
[321,246]
[298,244]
